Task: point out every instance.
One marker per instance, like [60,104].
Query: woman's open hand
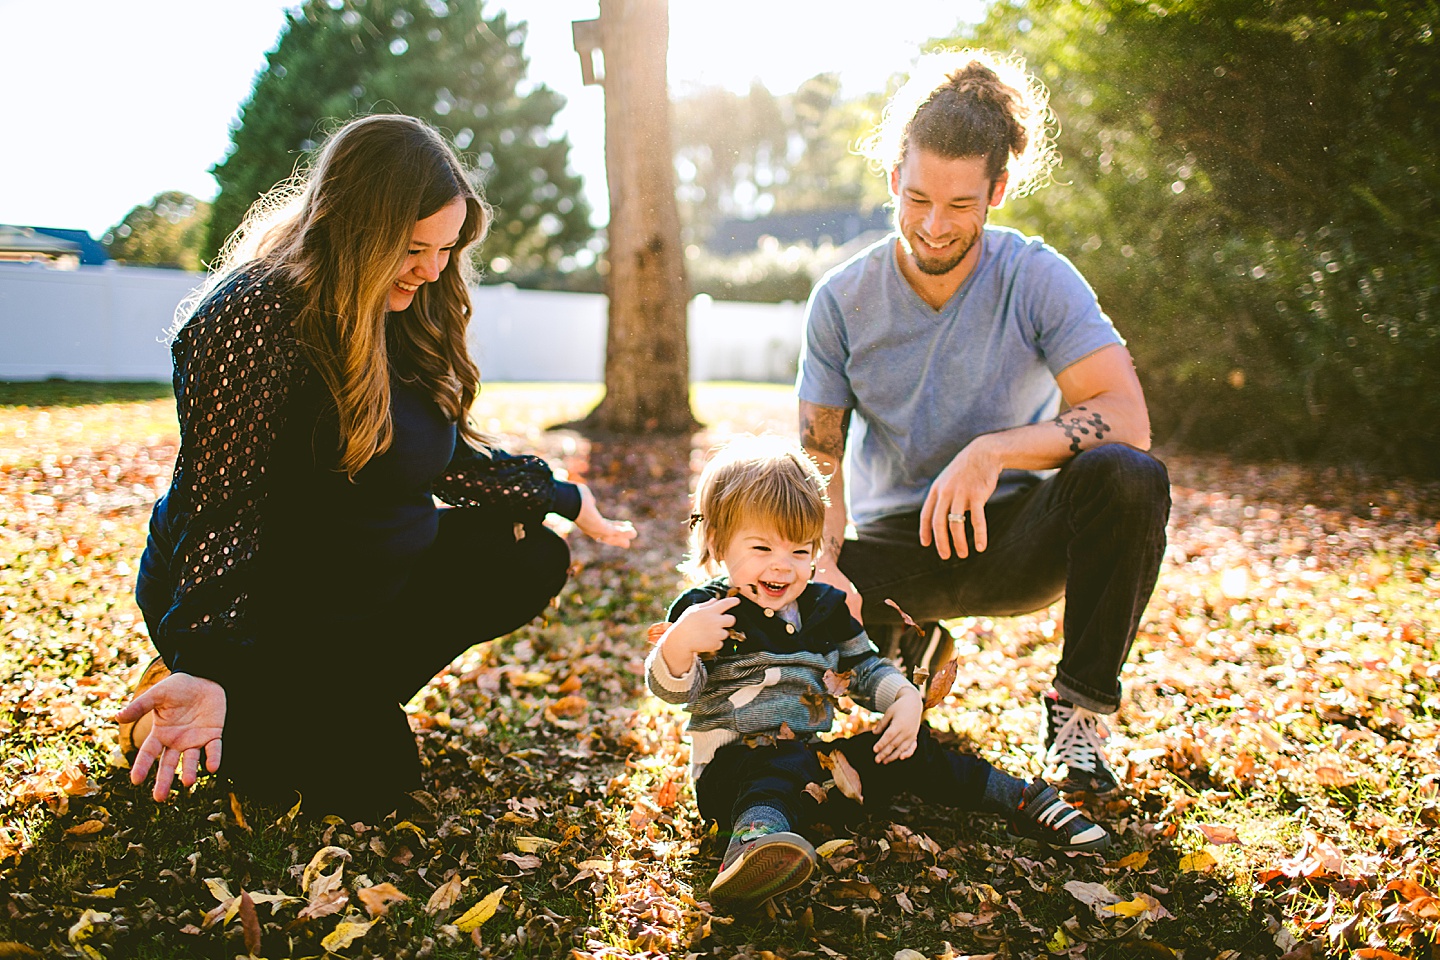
[189,716]
[617,533]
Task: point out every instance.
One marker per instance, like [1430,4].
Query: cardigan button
[789,628]
[769,612]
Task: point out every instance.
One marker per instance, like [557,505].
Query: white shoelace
[1080,739]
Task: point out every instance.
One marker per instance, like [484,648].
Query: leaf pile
[1278,745]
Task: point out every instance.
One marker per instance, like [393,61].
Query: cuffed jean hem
[1068,690]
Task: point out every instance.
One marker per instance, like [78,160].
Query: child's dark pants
[741,777]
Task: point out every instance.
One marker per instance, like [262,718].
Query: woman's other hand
[617,533]
[189,716]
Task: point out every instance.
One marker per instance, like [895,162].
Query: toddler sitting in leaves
[758,656]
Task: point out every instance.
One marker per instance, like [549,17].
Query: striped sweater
[772,671]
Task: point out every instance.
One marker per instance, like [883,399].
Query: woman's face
[430,246]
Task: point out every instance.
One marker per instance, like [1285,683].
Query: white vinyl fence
[110,323]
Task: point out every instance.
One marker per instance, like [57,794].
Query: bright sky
[108,103]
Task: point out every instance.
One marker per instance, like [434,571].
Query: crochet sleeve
[522,486]
[236,362]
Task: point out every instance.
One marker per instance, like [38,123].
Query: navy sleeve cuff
[567,499]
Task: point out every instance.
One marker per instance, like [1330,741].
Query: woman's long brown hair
[341,235]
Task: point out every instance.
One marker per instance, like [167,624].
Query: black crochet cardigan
[256,483]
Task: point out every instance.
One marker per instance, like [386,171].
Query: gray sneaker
[1076,738]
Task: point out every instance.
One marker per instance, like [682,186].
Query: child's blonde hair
[762,480]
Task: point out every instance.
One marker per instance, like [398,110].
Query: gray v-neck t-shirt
[923,382]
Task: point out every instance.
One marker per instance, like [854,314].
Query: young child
[747,654]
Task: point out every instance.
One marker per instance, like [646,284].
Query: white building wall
[110,323]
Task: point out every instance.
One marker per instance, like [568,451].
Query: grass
[1284,685]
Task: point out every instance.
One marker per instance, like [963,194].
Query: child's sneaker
[1046,816]
[762,868]
[1076,737]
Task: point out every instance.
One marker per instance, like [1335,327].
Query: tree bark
[647,357]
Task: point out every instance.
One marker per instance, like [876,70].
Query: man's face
[940,207]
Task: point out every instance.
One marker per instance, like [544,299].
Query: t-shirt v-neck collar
[949,305]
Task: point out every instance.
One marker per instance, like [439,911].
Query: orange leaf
[817,792]
[655,631]
[239,813]
[86,829]
[785,732]
[377,899]
[852,888]
[845,776]
[570,707]
[1134,861]
[1218,835]
[838,684]
[940,684]
[666,793]
[1333,777]
[571,684]
[1376,953]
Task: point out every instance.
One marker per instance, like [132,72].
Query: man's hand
[702,628]
[961,490]
[899,727]
[616,533]
[189,717]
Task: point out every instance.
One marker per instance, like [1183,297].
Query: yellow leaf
[1128,908]
[407,825]
[239,813]
[345,933]
[322,859]
[106,892]
[482,911]
[1134,861]
[532,844]
[85,829]
[529,678]
[1201,862]
[219,889]
[830,846]
[1058,942]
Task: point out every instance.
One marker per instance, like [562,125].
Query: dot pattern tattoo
[1076,426]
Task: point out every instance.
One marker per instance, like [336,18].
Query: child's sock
[754,822]
[1002,793]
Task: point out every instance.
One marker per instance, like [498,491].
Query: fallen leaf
[830,846]
[817,793]
[1133,861]
[1333,777]
[250,924]
[482,911]
[1218,835]
[856,888]
[377,899]
[904,616]
[1201,862]
[570,707]
[345,933]
[239,813]
[323,905]
[322,859]
[444,896]
[1096,896]
[533,844]
[818,704]
[523,861]
[87,829]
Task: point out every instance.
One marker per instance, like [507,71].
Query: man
[947,372]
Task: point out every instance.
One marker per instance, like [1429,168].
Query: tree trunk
[647,357]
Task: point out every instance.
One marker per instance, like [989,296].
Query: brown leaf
[250,923]
[856,888]
[838,684]
[570,706]
[331,901]
[654,632]
[377,899]
[904,616]
[818,704]
[785,733]
[666,794]
[524,862]
[845,776]
[1333,777]
[817,792]
[87,829]
[940,684]
[444,896]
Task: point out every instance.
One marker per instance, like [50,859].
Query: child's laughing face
[766,567]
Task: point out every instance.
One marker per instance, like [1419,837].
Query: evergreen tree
[441,60]
[166,232]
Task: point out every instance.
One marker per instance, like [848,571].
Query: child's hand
[899,726]
[702,628]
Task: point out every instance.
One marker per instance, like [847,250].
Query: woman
[299,581]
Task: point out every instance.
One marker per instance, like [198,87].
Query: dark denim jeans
[1093,533]
[741,777]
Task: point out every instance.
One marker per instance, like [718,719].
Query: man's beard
[936,266]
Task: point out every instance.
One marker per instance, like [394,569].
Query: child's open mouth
[773,590]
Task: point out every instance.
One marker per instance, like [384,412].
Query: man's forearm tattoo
[822,431]
[1077,426]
